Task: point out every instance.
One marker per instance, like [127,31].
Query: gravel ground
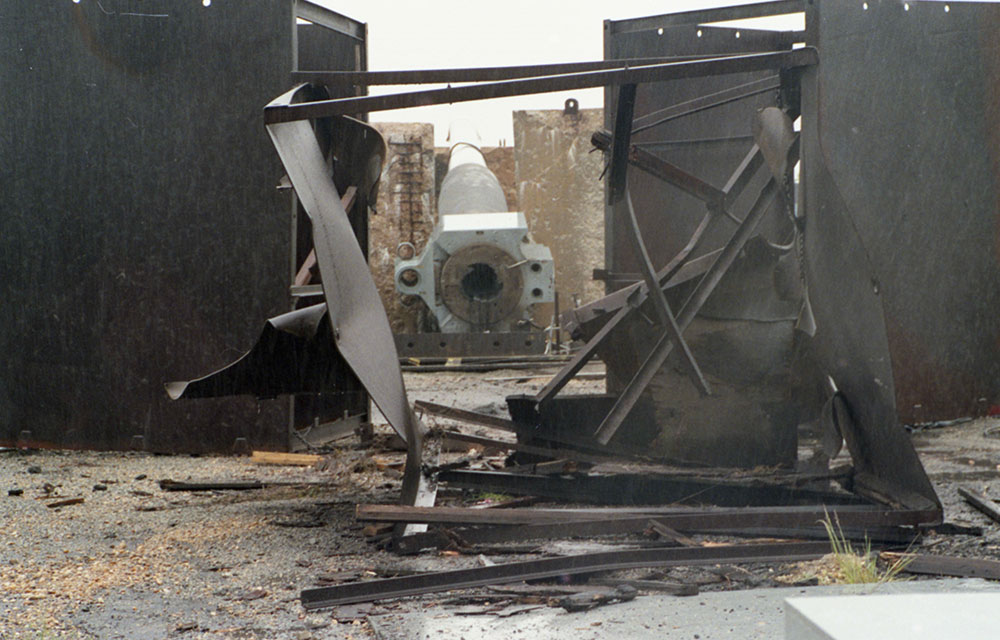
[134,561]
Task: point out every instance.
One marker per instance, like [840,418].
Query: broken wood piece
[673,588]
[174,485]
[588,601]
[382,464]
[64,503]
[981,503]
[304,274]
[672,534]
[288,459]
[372,530]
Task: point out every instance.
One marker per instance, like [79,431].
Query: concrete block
[969,616]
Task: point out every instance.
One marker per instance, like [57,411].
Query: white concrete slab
[925,616]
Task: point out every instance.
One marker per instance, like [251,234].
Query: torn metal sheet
[294,354]
[358,323]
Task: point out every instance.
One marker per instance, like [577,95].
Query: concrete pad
[973,616]
[749,614]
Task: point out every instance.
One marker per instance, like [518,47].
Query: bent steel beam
[551,567]
[805,56]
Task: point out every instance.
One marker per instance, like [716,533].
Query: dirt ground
[135,561]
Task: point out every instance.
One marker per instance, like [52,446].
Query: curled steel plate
[358,323]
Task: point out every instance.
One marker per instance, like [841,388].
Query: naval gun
[481,270]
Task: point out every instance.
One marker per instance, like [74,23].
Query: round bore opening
[409,278]
[481,282]
[536,292]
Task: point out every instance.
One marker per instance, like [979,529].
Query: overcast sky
[467,33]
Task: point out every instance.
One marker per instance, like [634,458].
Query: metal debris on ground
[981,503]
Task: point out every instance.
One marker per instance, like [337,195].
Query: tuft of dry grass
[859,566]
[847,564]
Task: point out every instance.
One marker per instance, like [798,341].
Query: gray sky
[467,33]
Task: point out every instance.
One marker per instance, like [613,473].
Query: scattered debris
[663,586]
[186,626]
[982,503]
[64,503]
[252,594]
[34,469]
[174,485]
[588,601]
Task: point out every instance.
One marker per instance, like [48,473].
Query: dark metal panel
[141,237]
[916,162]
[658,204]
[322,48]
[742,336]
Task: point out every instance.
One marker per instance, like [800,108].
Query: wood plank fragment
[288,459]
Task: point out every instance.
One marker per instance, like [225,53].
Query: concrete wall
[560,192]
[405,211]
